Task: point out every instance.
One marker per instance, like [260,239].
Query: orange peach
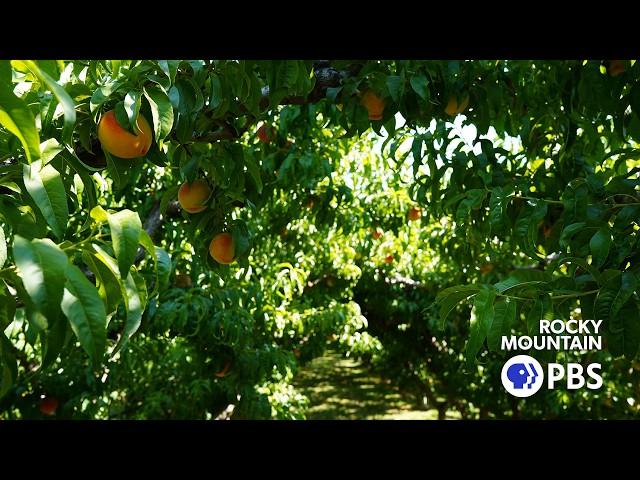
[616,67]
[414,214]
[222,248]
[373,104]
[49,405]
[453,108]
[266,133]
[193,196]
[119,142]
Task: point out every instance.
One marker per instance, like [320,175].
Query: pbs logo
[522,376]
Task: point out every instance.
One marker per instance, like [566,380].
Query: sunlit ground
[343,389]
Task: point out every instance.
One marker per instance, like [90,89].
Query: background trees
[524,174]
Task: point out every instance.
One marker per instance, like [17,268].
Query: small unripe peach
[222,248]
[193,196]
[119,142]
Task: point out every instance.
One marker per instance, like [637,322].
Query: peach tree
[532,215]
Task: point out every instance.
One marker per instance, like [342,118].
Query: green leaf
[503,320]
[170,68]
[8,365]
[50,149]
[161,111]
[132,107]
[125,228]
[254,172]
[164,268]
[119,169]
[16,117]
[99,214]
[5,72]
[67,103]
[581,262]
[46,187]
[525,229]
[108,283]
[169,195]
[85,310]
[7,309]
[132,301]
[41,265]
[395,85]
[448,298]
[3,247]
[147,244]
[53,341]
[481,320]
[420,85]
[613,295]
[599,245]
[474,199]
[517,281]
[540,309]
[623,333]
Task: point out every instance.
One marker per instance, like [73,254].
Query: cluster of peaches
[193,197]
[375,105]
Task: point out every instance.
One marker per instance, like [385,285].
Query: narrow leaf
[125,228]
[46,187]
[85,310]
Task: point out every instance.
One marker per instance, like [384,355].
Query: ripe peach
[376,234]
[225,370]
[616,67]
[453,108]
[388,259]
[222,248]
[265,133]
[192,197]
[49,405]
[373,104]
[486,268]
[310,203]
[414,214]
[119,142]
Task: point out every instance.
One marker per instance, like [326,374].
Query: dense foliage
[405,212]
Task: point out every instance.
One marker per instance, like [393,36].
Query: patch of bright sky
[466,133]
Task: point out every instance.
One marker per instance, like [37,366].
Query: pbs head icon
[522,376]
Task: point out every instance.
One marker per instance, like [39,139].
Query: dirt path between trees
[343,389]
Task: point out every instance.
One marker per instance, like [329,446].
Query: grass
[343,389]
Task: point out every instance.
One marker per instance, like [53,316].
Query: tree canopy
[198,229]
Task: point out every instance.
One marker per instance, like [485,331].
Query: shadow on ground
[343,389]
